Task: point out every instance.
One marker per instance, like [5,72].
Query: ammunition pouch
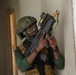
[48,71]
[32,72]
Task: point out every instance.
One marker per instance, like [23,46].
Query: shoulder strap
[26,44]
[51,55]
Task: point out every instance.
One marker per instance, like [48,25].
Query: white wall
[69,45]
[29,7]
[74,20]
[64,33]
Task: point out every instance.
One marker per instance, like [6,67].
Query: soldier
[31,65]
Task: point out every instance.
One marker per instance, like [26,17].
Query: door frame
[11,21]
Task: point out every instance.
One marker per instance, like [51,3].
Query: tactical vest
[39,67]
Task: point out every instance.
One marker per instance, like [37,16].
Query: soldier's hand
[42,43]
[52,42]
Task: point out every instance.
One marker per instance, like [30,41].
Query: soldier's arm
[41,44]
[21,61]
[58,58]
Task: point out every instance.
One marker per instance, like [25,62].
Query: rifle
[46,22]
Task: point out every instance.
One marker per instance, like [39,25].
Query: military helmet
[23,23]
